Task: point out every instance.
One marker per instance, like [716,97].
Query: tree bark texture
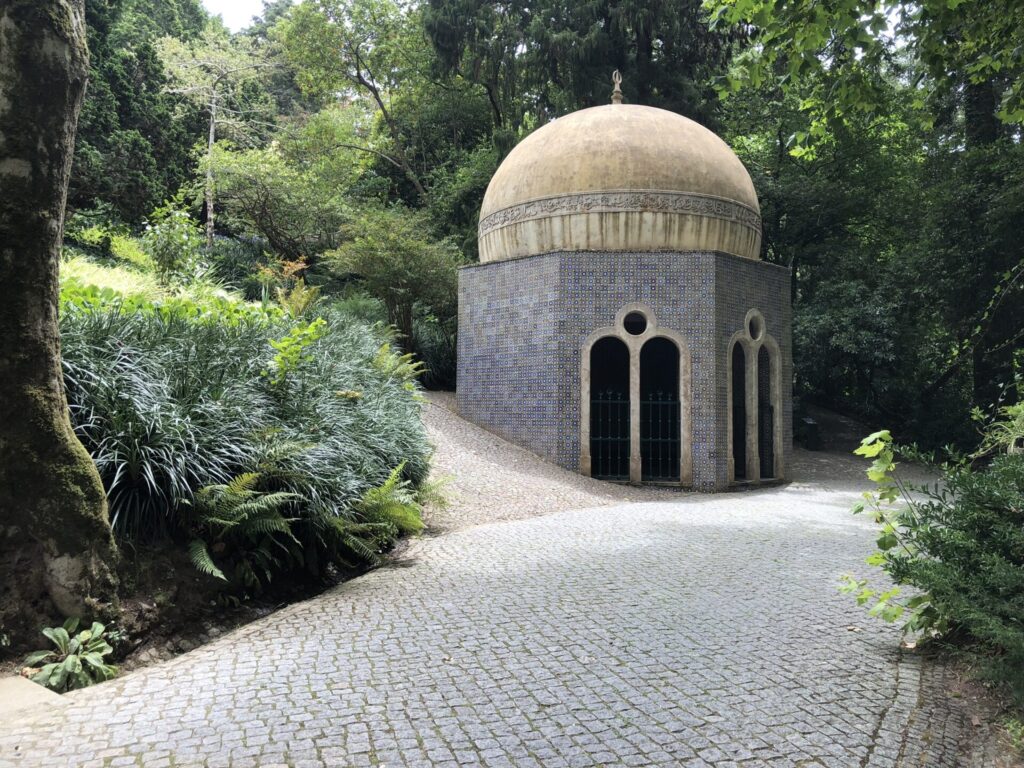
[52,502]
[209,166]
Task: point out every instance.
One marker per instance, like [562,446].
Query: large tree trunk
[53,516]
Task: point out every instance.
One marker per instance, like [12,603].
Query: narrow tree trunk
[209,166]
[52,502]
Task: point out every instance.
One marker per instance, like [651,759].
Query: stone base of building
[538,334]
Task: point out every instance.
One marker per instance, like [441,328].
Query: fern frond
[202,561]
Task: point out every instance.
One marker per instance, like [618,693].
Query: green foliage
[78,659]
[1015,733]
[836,56]
[397,263]
[292,209]
[236,261]
[434,340]
[403,368]
[173,241]
[1005,432]
[291,351]
[905,267]
[959,545]
[556,57]
[244,529]
[394,504]
[299,300]
[168,397]
[134,140]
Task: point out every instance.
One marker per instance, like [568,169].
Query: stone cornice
[624,201]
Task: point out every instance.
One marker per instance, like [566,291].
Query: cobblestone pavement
[685,631]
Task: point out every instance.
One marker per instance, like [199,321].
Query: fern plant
[405,368]
[393,503]
[244,529]
[298,300]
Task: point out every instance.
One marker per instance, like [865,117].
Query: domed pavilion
[621,322]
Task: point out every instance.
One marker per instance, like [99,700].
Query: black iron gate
[609,435]
[659,436]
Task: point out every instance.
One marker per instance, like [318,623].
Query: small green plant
[173,241]
[1014,727]
[79,659]
[383,513]
[395,503]
[298,300]
[405,367]
[244,529]
[291,351]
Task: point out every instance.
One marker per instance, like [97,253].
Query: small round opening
[755,327]
[635,323]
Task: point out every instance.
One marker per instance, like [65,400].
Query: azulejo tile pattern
[523,322]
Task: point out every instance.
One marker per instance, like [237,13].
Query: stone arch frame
[634,343]
[751,348]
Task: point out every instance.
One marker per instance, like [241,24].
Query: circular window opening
[755,327]
[635,323]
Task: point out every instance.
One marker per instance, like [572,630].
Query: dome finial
[617,91]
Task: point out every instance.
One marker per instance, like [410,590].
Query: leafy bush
[83,271]
[361,307]
[241,529]
[79,659]
[959,544]
[168,397]
[291,351]
[173,241]
[396,262]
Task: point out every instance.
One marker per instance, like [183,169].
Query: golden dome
[620,178]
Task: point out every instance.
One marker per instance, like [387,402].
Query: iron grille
[659,437]
[609,435]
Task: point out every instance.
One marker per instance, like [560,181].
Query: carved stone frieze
[624,201]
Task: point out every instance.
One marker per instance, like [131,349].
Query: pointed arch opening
[765,416]
[609,409]
[660,412]
[738,361]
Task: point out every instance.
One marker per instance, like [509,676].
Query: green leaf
[59,637]
[37,656]
[887,541]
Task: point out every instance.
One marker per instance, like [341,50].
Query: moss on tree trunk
[51,497]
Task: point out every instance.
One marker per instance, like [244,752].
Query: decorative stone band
[620,200]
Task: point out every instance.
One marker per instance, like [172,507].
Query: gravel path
[559,622]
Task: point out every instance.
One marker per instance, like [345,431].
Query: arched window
[609,409]
[765,415]
[739,410]
[659,410]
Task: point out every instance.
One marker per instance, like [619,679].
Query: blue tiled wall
[522,324]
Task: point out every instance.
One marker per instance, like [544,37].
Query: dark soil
[169,608]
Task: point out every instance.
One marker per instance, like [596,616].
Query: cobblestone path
[687,631]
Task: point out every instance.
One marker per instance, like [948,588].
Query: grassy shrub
[76,268]
[174,396]
[236,262]
[959,545]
